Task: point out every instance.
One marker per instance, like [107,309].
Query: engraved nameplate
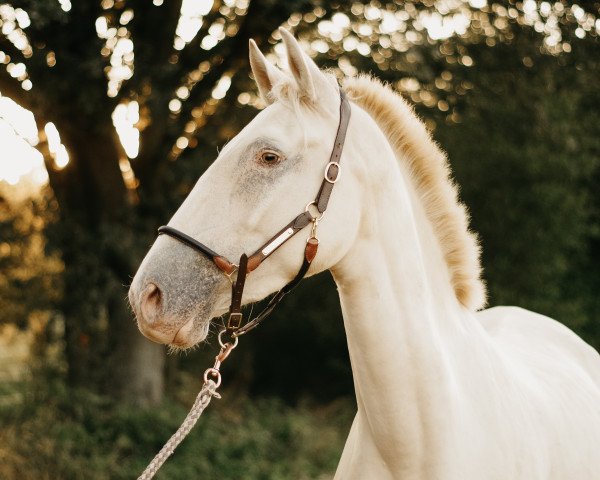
[277,242]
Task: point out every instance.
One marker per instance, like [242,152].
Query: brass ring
[313,218]
[223,345]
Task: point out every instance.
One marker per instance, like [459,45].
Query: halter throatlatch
[312,214]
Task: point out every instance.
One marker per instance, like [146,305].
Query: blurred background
[109,112]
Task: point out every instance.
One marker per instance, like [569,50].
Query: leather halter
[247,264]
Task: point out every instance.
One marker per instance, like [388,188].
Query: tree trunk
[96,235]
[137,365]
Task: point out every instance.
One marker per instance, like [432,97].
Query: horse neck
[402,319]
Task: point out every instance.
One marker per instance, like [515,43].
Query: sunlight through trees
[120,105]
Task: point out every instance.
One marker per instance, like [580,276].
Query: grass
[52,432]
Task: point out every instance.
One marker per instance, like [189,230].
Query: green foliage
[526,163]
[29,276]
[55,433]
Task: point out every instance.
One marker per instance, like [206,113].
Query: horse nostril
[153,294]
[151,303]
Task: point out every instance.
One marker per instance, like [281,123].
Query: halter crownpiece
[313,213]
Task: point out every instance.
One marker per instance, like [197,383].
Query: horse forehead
[278,122]
[273,121]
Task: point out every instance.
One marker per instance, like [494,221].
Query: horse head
[260,180]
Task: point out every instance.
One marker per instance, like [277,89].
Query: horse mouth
[189,334]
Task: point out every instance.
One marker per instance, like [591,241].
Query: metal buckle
[235,321]
[338,172]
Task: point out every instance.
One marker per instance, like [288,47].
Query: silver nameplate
[277,242]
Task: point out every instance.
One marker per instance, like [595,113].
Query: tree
[107,213]
[76,64]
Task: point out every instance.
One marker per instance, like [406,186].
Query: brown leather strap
[333,169]
[237,290]
[309,254]
[278,239]
[221,262]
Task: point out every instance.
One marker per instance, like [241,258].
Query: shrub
[58,433]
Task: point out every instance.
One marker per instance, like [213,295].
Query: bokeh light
[125,117]
[375,30]
[18,137]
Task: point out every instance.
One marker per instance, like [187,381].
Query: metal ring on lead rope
[224,344]
[213,372]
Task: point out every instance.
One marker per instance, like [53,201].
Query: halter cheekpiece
[312,214]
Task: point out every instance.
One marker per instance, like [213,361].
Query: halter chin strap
[312,214]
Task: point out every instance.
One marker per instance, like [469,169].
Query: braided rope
[209,390]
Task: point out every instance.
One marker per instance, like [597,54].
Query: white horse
[443,391]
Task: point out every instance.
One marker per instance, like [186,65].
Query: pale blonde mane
[430,173]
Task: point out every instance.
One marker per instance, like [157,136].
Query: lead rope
[208,391]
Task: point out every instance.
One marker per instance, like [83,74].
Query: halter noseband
[312,213]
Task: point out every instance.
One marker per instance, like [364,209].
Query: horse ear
[305,71]
[265,74]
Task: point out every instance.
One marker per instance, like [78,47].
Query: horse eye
[270,157]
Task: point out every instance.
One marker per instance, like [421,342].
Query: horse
[445,389]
